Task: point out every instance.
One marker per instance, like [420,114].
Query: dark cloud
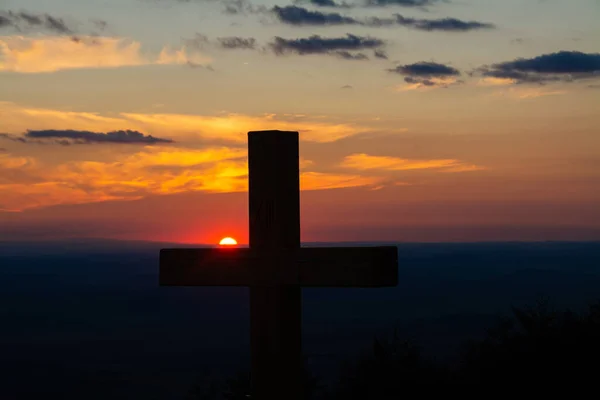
[426,69]
[442,24]
[100,24]
[561,66]
[324,3]
[428,74]
[242,7]
[5,21]
[23,21]
[422,81]
[346,55]
[235,42]
[403,3]
[380,54]
[197,42]
[294,15]
[68,137]
[315,44]
[346,87]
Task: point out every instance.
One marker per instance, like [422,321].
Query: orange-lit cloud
[320,181]
[364,162]
[228,127]
[428,84]
[55,53]
[526,93]
[234,127]
[151,171]
[492,81]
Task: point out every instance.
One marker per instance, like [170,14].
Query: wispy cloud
[70,136]
[23,21]
[151,171]
[222,127]
[51,54]
[526,93]
[363,162]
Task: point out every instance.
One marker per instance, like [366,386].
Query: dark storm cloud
[315,44]
[26,21]
[294,15]
[561,66]
[426,69]
[236,42]
[68,137]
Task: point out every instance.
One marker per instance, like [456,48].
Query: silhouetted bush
[536,346]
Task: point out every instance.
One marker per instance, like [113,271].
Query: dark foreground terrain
[88,320]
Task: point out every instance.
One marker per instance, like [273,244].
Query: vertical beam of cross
[276,311]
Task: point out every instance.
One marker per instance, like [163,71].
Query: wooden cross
[275,267]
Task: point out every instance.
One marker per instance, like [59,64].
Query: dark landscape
[87,318]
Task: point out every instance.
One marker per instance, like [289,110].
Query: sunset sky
[419,120]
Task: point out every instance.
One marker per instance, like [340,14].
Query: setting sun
[228,241]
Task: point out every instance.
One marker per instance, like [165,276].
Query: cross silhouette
[275,267]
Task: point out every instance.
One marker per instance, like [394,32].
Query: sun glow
[228,241]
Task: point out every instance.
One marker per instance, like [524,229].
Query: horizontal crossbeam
[307,266]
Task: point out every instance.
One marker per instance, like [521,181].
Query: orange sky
[443,136]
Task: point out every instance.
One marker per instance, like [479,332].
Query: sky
[419,120]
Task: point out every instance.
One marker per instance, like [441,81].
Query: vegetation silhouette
[534,346]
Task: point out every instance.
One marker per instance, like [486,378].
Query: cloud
[491,81]
[426,69]
[234,127]
[315,44]
[50,54]
[403,3]
[563,66]
[380,54]
[243,7]
[224,127]
[25,21]
[426,83]
[324,3]
[443,24]
[236,42]
[363,162]
[299,16]
[527,93]
[68,137]
[423,75]
[154,170]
